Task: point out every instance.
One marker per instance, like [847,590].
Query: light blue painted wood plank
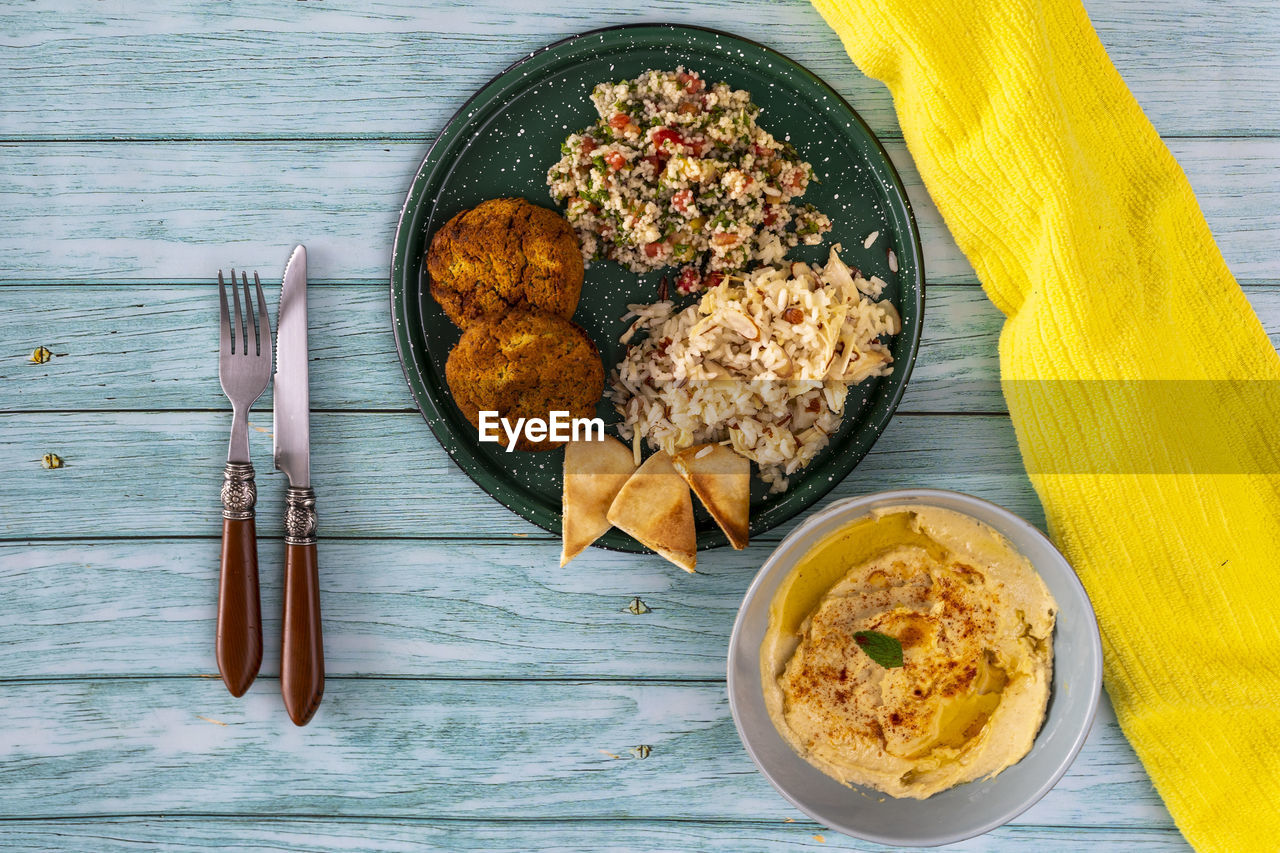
[154,347]
[436,749]
[281,68]
[145,474]
[501,609]
[119,835]
[181,211]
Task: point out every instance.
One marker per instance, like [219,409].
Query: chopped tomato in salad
[677,172]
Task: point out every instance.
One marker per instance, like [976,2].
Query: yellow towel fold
[1140,383]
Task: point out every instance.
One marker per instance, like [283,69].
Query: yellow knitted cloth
[1085,233]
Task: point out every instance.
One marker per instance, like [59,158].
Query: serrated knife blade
[292,393]
[301,641]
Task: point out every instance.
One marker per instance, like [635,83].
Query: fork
[244,368]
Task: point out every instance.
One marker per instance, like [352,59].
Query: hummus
[975,623]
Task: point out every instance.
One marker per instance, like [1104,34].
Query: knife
[302,650]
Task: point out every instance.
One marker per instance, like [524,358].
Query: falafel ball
[503,254]
[525,364]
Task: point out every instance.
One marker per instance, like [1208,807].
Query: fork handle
[302,645]
[239,642]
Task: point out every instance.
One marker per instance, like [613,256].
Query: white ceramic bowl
[966,810]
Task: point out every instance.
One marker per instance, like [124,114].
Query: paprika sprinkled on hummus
[975,623]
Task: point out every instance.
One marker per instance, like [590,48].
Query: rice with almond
[763,364]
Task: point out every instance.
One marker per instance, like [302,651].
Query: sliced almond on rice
[868,363]
[654,506]
[594,473]
[740,323]
[715,370]
[721,478]
[849,341]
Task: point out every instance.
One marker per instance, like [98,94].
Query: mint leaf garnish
[881,648]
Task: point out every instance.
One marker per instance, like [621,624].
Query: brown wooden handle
[302,648]
[239,644]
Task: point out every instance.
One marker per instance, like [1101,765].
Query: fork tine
[224,340]
[250,321]
[238,332]
[264,320]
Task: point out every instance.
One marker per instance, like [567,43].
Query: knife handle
[302,647]
[239,640]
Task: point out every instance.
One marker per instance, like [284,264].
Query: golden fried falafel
[502,254]
[525,364]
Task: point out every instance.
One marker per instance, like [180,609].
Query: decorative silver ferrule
[300,516]
[239,492]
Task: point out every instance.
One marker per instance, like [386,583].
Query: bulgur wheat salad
[678,173]
[763,364]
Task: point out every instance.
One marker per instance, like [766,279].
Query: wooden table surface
[479,697]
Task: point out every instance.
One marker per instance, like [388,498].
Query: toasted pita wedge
[721,478]
[594,472]
[654,506]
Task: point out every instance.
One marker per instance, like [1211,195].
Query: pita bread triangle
[594,472]
[654,506]
[721,478]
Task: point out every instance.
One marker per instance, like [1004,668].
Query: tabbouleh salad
[679,173]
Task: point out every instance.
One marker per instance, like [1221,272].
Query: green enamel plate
[502,142]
